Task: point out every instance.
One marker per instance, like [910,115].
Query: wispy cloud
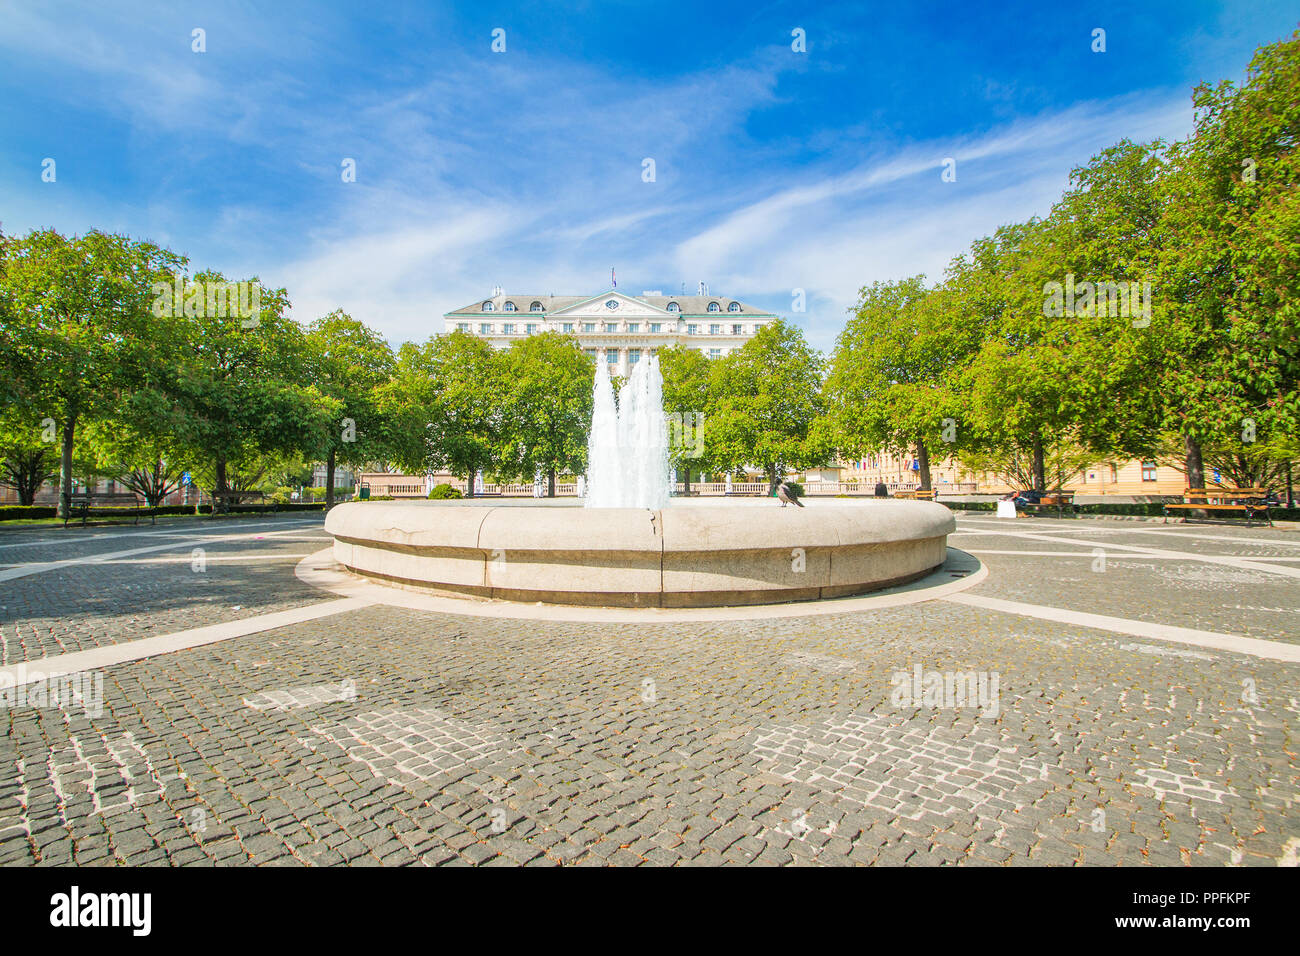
[525,169]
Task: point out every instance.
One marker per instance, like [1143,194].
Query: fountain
[627,451]
[628,547]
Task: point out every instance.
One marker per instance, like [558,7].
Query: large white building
[614,326]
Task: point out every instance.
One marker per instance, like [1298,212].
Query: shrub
[22,512]
[445,491]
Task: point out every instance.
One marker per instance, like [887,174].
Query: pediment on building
[624,306]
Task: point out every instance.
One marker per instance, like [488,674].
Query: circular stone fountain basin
[693,554]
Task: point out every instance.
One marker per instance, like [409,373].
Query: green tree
[546,407]
[686,400]
[79,330]
[765,397]
[28,458]
[442,408]
[239,387]
[1234,211]
[892,379]
[349,363]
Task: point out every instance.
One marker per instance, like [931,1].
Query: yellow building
[1132,477]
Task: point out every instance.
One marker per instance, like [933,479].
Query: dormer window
[509,307]
[535,307]
[489,307]
[733,307]
[674,307]
[714,307]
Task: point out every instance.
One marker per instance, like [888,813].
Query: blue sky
[775,170]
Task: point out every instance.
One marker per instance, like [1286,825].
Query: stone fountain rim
[693,529]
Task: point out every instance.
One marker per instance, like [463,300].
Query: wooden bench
[1225,501]
[1060,500]
[87,504]
[919,494]
[236,499]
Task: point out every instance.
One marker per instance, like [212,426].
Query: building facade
[615,327]
[1133,477]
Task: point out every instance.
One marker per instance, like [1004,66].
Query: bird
[788,495]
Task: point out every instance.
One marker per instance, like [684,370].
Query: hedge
[21,512]
[31,512]
[1150,509]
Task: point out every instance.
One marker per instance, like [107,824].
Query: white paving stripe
[1172,532]
[29,672]
[1109,557]
[151,533]
[1270,650]
[1231,561]
[209,558]
[38,567]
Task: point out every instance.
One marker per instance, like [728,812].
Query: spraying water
[627,451]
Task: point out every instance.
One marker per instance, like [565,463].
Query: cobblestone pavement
[924,734]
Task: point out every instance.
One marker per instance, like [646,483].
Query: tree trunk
[329,479]
[1195,467]
[1040,469]
[923,459]
[219,501]
[771,480]
[686,485]
[469,483]
[65,467]
[550,483]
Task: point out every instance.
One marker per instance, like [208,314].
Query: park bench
[920,494]
[92,504]
[1060,500]
[246,500]
[1222,501]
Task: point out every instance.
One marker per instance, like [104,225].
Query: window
[733,307]
[508,328]
[674,307]
[509,307]
[489,307]
[1114,473]
[656,326]
[737,330]
[611,326]
[633,356]
[589,326]
[715,330]
[462,326]
[485,328]
[611,356]
[714,307]
[590,353]
[634,326]
[531,328]
[1148,471]
[535,307]
[715,353]
[566,327]
[692,329]
[612,304]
